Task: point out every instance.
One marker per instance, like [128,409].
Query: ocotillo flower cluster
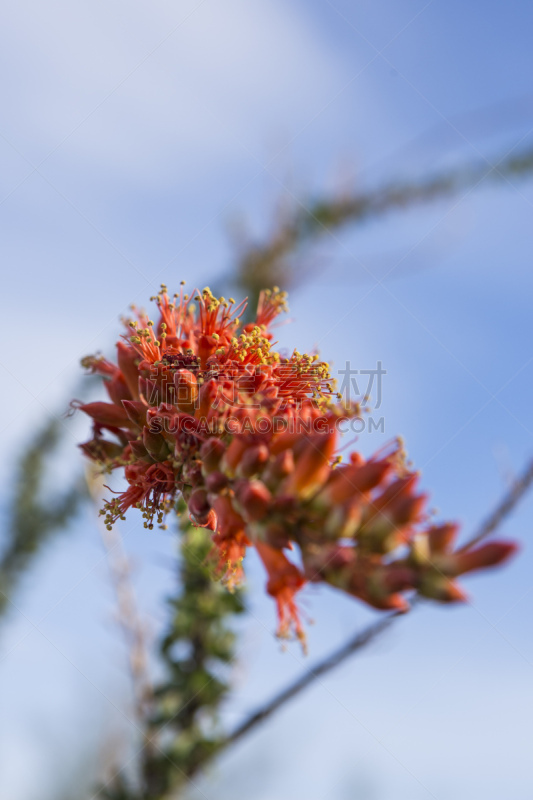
[204,407]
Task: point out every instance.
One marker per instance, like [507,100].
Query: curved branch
[34,515]
[259,263]
[509,501]
[359,641]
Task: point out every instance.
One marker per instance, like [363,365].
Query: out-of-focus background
[143,143]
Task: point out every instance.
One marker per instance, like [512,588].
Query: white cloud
[229,76]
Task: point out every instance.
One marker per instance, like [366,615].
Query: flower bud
[216,481]
[354,481]
[117,389]
[206,398]
[343,521]
[107,414]
[101,450]
[442,537]
[186,391]
[254,499]
[192,472]
[155,445]
[127,360]
[253,460]
[211,452]
[488,555]
[150,392]
[236,449]
[139,451]
[136,412]
[312,465]
[278,469]
[199,506]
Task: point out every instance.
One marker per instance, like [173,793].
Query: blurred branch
[33,514]
[262,265]
[127,611]
[358,642]
[197,650]
[518,488]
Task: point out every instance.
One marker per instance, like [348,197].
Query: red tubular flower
[284,580]
[438,565]
[488,555]
[203,407]
[230,541]
[313,465]
[150,488]
[107,414]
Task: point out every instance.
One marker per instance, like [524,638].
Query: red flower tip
[487,555]
[284,581]
[107,414]
[442,537]
[313,465]
[230,541]
[254,499]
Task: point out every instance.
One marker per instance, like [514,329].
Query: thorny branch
[320,216]
[509,501]
[34,515]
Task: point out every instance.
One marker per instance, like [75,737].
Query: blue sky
[129,145]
